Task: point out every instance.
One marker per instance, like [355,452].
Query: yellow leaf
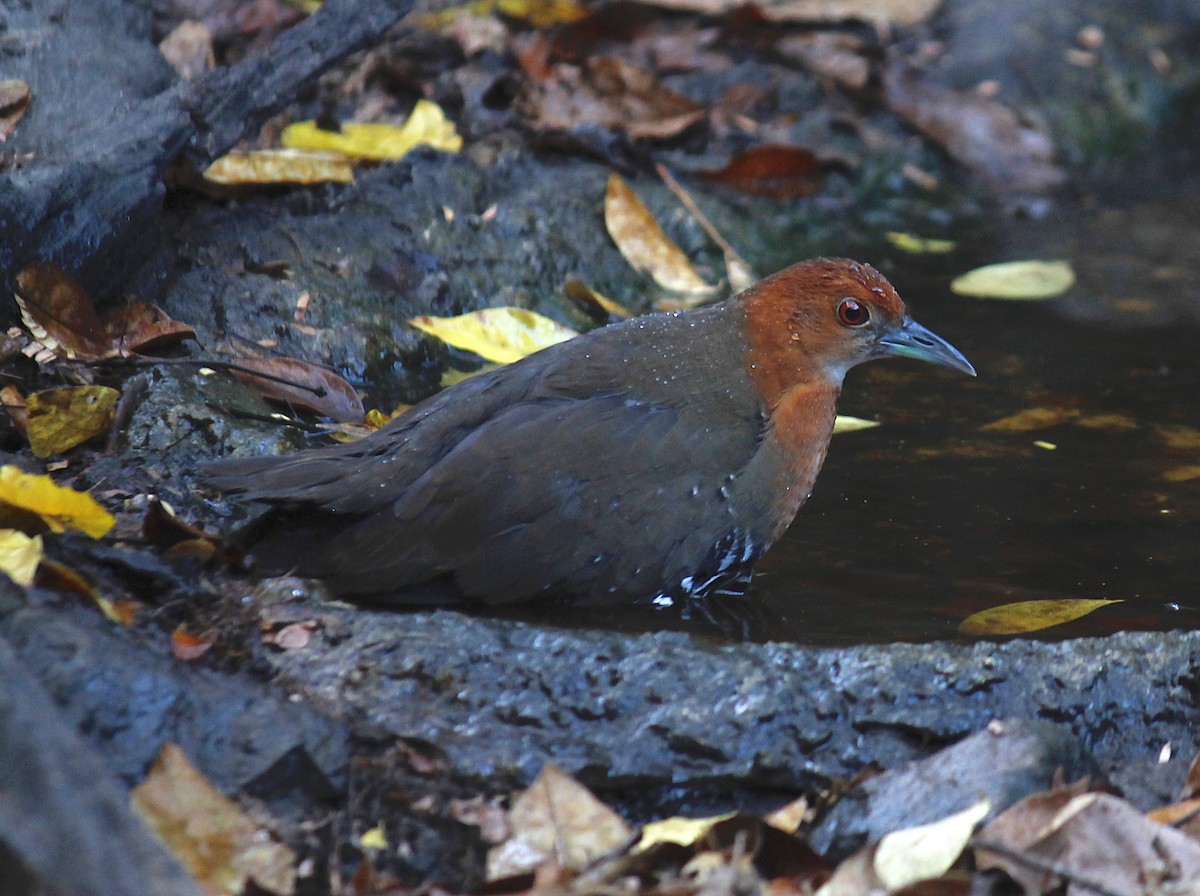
[644,245]
[60,508]
[927,851]
[593,303]
[20,555]
[373,839]
[60,419]
[216,841]
[538,13]
[280,166]
[1016,280]
[843,423]
[1029,616]
[1183,437]
[427,126]
[1030,419]
[502,335]
[1182,474]
[920,245]
[680,831]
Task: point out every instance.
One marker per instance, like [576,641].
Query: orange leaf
[780,172]
[187,646]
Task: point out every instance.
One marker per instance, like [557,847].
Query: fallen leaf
[537,13]
[502,335]
[1097,842]
[610,93]
[598,307]
[222,847]
[139,328]
[280,166]
[20,555]
[557,818]
[302,385]
[920,245]
[187,646]
[1182,474]
[59,313]
[644,244]
[373,839]
[1031,419]
[778,172]
[1029,616]
[14,100]
[927,851]
[59,419]
[991,140]
[678,830]
[883,14]
[843,423]
[14,403]
[426,125]
[790,817]
[835,56]
[189,49]
[1184,438]
[1016,280]
[58,507]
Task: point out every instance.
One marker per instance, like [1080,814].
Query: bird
[651,460]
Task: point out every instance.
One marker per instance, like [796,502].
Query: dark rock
[65,822]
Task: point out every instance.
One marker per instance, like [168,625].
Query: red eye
[853,313]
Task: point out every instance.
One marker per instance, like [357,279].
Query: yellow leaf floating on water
[1029,616]
[1016,281]
[1031,419]
[60,419]
[502,335]
[280,166]
[59,508]
[645,246]
[920,245]
[20,555]
[844,423]
[426,126]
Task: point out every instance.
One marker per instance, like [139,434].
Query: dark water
[932,516]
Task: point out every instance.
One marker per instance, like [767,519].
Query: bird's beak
[912,340]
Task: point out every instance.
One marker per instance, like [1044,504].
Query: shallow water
[932,516]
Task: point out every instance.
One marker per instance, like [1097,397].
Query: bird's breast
[800,430]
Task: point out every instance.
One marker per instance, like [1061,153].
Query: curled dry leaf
[597,306]
[299,384]
[610,93]
[14,100]
[644,244]
[141,328]
[502,335]
[60,419]
[280,166]
[1029,616]
[1016,280]
[59,313]
[990,139]
[844,423]
[426,125]
[778,172]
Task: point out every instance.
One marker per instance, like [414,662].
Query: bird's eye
[853,313]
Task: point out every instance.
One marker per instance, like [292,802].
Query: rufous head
[819,318]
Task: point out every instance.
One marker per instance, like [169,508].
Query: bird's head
[817,319]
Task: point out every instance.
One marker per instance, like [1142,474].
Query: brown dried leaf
[610,93]
[141,328]
[832,55]
[644,244]
[986,137]
[14,403]
[1095,839]
[222,847]
[14,100]
[302,385]
[59,313]
[189,49]
[187,646]
[597,306]
[557,818]
[780,172]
